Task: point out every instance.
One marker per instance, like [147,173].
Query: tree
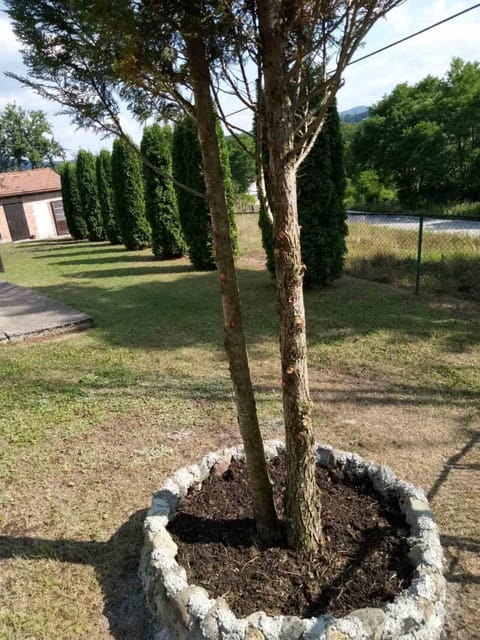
[87,186]
[26,139]
[167,51]
[105,196]
[160,198]
[71,202]
[194,212]
[321,213]
[242,163]
[128,194]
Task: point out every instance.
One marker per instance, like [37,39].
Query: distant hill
[355,114]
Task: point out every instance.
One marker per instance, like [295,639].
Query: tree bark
[302,500]
[235,343]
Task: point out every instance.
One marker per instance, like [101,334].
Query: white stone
[199,604]
[184,480]
[230,627]
[163,541]
[173,583]
[155,523]
[416,509]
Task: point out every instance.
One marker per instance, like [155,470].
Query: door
[59,217]
[17,223]
[44,220]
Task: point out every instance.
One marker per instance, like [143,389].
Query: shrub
[321,213]
[87,186]
[160,199]
[71,202]
[128,195]
[105,196]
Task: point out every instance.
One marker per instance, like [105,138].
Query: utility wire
[392,44]
[412,35]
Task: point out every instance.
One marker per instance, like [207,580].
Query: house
[31,205]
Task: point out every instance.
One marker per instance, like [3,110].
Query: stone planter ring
[183,611]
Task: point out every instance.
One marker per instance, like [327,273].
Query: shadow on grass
[455,275]
[455,462]
[116,566]
[180,307]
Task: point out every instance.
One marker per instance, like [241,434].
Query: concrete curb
[186,611]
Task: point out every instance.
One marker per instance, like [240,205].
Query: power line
[392,44]
[412,35]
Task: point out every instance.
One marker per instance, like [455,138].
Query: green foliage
[87,186]
[26,139]
[425,138]
[128,195]
[105,196]
[229,189]
[193,211]
[71,202]
[242,163]
[367,189]
[160,199]
[321,213]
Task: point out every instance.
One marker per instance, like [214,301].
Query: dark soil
[363,562]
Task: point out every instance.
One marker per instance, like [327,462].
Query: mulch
[363,562]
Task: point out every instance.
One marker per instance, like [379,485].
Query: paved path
[438,225]
[26,314]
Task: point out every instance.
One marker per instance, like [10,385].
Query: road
[438,225]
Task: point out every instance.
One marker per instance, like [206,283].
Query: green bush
[105,196]
[321,213]
[71,202]
[160,199]
[128,196]
[87,186]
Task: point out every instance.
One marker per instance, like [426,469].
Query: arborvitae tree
[321,213]
[71,202]
[87,186]
[128,196]
[105,196]
[228,184]
[161,206]
[194,212]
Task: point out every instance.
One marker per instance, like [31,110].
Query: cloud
[429,53]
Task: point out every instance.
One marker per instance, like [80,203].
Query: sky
[364,83]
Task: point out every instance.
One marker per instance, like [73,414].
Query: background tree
[321,213]
[160,198]
[105,196]
[26,139]
[87,186]
[424,139]
[128,193]
[194,212]
[71,202]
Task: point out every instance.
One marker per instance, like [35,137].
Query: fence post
[419,254]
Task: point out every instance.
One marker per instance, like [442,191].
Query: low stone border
[186,612]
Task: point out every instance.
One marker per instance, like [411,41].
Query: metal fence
[433,253]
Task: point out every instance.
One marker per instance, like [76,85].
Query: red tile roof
[33,181]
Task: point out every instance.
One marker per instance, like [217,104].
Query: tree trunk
[302,500]
[235,344]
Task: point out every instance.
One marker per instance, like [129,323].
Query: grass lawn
[91,423]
